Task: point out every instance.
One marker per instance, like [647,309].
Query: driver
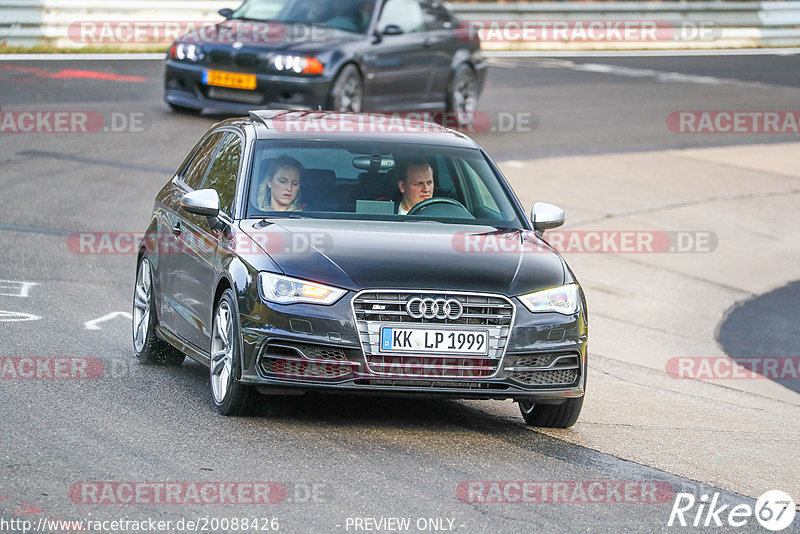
[415,183]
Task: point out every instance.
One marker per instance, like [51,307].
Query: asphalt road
[338,457]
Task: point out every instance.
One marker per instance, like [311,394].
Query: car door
[189,178]
[444,43]
[398,65]
[194,269]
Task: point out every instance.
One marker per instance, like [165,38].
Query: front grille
[374,309]
[549,378]
[431,384]
[285,359]
[544,369]
[246,60]
[322,353]
[235,95]
[300,369]
[219,57]
[534,361]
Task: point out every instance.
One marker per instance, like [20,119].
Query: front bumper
[183,86]
[296,348]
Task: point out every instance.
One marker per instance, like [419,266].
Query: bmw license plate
[234,80]
[430,340]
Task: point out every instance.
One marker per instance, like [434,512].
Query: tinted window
[358,180]
[435,15]
[196,171]
[404,13]
[348,15]
[222,175]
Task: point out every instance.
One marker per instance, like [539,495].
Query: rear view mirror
[545,216]
[373,163]
[226,12]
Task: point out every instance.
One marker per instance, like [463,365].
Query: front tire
[149,349]
[347,92]
[230,396]
[561,415]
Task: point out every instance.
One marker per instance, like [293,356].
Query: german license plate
[234,80]
[431,340]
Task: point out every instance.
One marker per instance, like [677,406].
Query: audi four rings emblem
[430,308]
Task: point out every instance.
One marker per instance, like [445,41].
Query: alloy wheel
[141,305]
[222,352]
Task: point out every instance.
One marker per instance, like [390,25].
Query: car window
[196,171]
[435,15]
[347,15]
[484,195]
[443,176]
[359,180]
[261,9]
[222,175]
[404,13]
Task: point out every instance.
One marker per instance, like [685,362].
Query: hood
[408,255]
[267,36]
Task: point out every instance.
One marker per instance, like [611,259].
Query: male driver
[415,183]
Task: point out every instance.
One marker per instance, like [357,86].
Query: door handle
[176,227]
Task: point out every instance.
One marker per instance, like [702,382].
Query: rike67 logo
[774,510]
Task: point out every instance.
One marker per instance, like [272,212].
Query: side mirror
[226,12]
[545,216]
[204,202]
[392,29]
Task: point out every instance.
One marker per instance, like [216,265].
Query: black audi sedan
[343,252]
[346,55]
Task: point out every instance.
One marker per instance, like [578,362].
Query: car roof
[346,126]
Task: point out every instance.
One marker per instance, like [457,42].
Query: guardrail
[507,26]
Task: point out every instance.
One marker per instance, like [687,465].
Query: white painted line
[643,53]
[628,72]
[84,57]
[13,317]
[92,325]
[15,288]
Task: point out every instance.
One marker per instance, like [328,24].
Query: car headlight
[287,290]
[297,64]
[186,52]
[563,299]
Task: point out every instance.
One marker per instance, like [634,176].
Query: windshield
[347,15]
[376,181]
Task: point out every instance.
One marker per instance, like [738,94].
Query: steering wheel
[442,207]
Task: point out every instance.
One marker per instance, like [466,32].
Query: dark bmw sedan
[347,55]
[301,251]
